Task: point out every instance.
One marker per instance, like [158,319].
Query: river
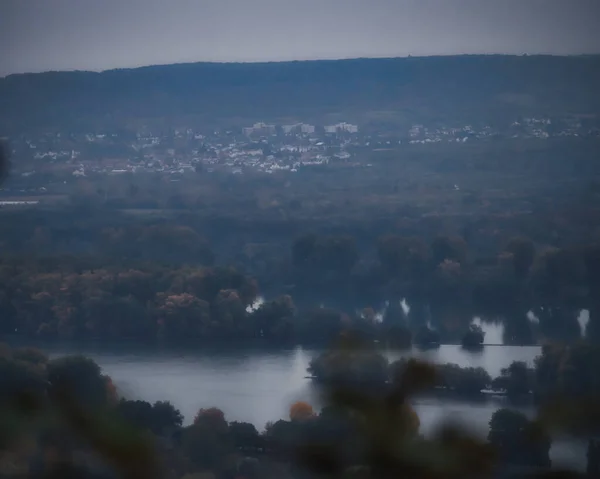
[258,385]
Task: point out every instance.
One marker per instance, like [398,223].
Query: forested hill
[391,90]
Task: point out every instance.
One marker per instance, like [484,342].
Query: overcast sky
[39,35]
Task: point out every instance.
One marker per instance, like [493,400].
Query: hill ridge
[316,60]
[480,87]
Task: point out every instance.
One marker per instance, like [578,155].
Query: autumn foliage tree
[207,441]
[212,416]
[300,411]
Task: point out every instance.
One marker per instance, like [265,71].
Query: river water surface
[258,385]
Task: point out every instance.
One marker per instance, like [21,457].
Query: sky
[42,35]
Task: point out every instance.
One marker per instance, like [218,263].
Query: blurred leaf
[127,449]
[579,416]
[416,376]
[319,458]
[557,474]
[11,426]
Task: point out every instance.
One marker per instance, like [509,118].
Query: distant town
[261,147]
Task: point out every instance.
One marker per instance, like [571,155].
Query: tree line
[323,287]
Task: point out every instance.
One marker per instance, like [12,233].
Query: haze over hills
[391,91]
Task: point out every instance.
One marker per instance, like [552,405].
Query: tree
[409,419]
[30,355]
[304,250]
[81,377]
[452,248]
[170,242]
[206,446]
[207,442]
[19,378]
[338,253]
[282,437]
[136,413]
[114,317]
[473,338]
[245,436]
[448,286]
[398,336]
[273,319]
[523,254]
[558,277]
[463,381]
[496,291]
[165,417]
[569,372]
[183,316]
[331,253]
[213,417]
[250,468]
[427,337]
[516,380]
[518,330]
[382,439]
[300,411]
[518,440]
[229,313]
[558,321]
[207,283]
[350,367]
[402,256]
[322,324]
[396,331]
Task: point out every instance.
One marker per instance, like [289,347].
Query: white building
[302,127]
[259,127]
[341,127]
[415,130]
[263,127]
[289,128]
